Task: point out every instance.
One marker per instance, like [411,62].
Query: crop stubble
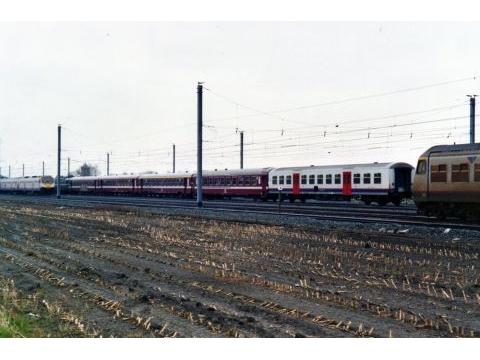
[127,273]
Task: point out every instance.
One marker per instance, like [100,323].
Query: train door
[347,183]
[264,183]
[403,180]
[193,185]
[296,184]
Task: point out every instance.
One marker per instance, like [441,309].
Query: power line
[334,102]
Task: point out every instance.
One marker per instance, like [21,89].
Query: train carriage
[379,182]
[101,184]
[249,183]
[118,184]
[83,185]
[447,181]
[165,185]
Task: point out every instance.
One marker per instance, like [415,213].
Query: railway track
[404,215]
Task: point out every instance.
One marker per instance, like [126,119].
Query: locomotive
[30,184]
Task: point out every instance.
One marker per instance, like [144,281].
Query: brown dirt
[136,274]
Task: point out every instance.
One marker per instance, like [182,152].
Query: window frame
[460,172]
[319,179]
[338,179]
[438,175]
[357,179]
[328,179]
[367,176]
[476,172]
[421,167]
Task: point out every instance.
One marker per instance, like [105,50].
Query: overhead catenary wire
[335,102]
[304,136]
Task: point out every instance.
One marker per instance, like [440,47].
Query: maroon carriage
[178,185]
[252,183]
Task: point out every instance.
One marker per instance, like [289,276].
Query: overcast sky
[295,89]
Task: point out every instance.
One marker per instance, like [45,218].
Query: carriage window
[289,179]
[438,173]
[281,180]
[338,179]
[234,181]
[311,179]
[304,179]
[319,179]
[477,172]
[328,179]
[240,180]
[421,167]
[460,173]
[274,180]
[366,178]
[229,181]
[356,178]
[377,178]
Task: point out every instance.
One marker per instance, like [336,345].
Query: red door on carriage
[296,184]
[347,183]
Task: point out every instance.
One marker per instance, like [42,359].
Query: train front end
[47,184]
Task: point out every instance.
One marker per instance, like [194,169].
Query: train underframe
[29,192]
[442,210]
[381,199]
[394,198]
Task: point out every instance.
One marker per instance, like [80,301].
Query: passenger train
[375,182]
[446,183]
[31,184]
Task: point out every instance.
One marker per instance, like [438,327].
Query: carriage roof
[390,165]
[452,148]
